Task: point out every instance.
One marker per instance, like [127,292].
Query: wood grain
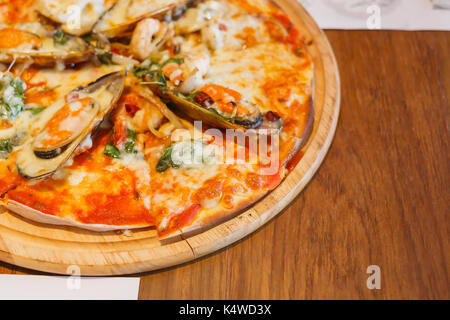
[56,248]
[381,197]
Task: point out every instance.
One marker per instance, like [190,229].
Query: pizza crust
[210,220]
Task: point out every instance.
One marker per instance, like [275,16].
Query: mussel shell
[197,112]
[250,124]
[75,50]
[50,154]
[45,150]
[112,27]
[58,11]
[106,91]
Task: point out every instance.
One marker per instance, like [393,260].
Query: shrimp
[189,75]
[149,35]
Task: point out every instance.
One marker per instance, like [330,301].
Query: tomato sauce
[15,11]
[181,220]
[119,210]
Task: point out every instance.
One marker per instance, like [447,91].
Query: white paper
[380,14]
[25,287]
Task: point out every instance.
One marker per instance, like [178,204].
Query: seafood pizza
[168,114]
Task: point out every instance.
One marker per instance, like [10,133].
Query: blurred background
[381,14]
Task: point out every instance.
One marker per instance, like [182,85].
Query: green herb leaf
[105,57]
[6,145]
[11,96]
[19,88]
[129,145]
[142,70]
[89,37]
[178,61]
[151,72]
[132,135]
[35,111]
[165,162]
[112,151]
[59,37]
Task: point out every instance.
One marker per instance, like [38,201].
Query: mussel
[64,125]
[216,105]
[76,17]
[200,106]
[44,45]
[124,14]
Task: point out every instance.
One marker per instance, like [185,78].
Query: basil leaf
[35,111]
[59,37]
[165,162]
[112,151]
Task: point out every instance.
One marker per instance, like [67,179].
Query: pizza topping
[229,104]
[42,44]
[64,125]
[271,121]
[6,147]
[188,154]
[60,38]
[123,16]
[11,96]
[128,146]
[148,36]
[13,38]
[61,12]
[195,19]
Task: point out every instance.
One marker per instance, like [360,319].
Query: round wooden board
[57,249]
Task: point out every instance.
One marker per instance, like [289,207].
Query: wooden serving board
[57,249]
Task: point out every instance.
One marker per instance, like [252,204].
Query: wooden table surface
[380,198]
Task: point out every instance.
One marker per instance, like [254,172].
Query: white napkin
[24,287]
[380,14]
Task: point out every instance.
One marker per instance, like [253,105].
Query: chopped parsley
[112,151]
[11,96]
[6,147]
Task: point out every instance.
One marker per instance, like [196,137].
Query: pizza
[166,114]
